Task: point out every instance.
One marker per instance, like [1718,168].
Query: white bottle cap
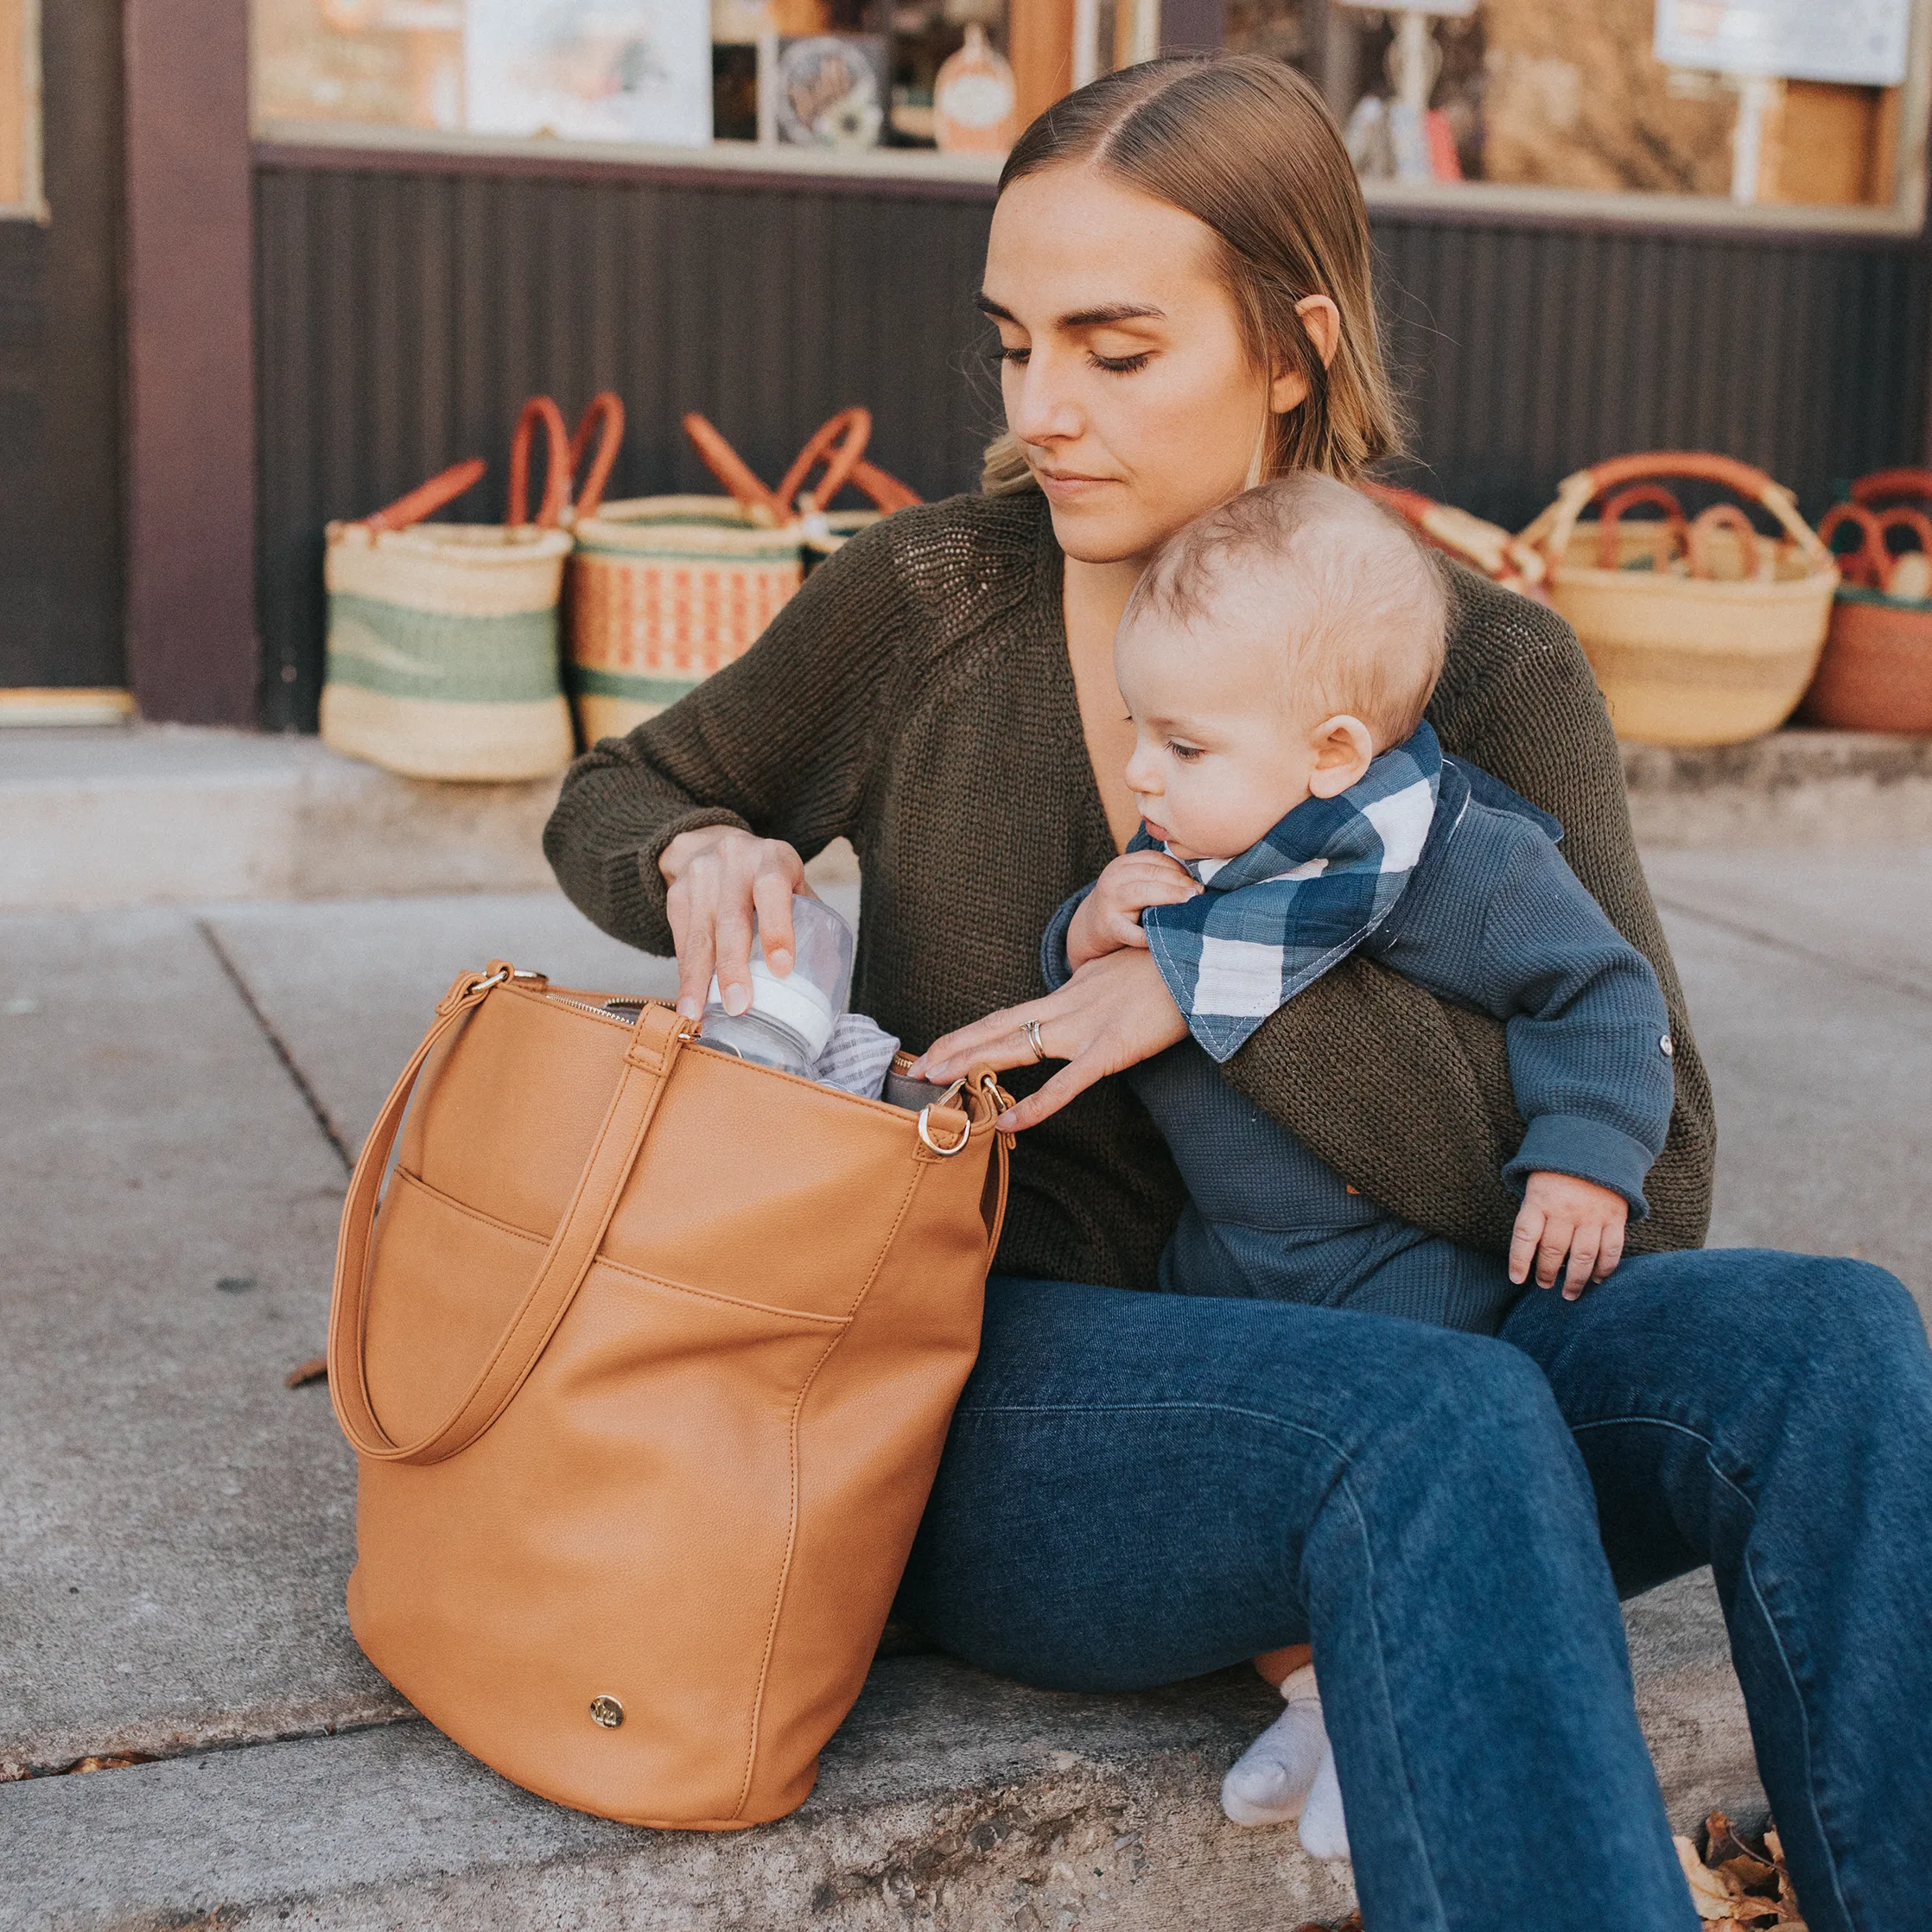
[792,1002]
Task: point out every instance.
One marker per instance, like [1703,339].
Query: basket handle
[1482,546]
[733,472]
[1914,520]
[426,499]
[1628,499]
[887,491]
[1720,516]
[1892,483]
[844,464]
[1551,532]
[605,407]
[556,476]
[1866,564]
[1870,566]
[838,444]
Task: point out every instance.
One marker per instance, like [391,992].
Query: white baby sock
[1324,1834]
[1269,1782]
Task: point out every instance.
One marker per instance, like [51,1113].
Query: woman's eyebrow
[1079,318]
[1111,312]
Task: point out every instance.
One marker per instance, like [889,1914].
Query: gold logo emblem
[607,1712]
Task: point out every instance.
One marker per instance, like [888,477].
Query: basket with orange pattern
[1876,674]
[1701,630]
[665,590]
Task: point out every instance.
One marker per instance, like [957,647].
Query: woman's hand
[720,877]
[1112,1013]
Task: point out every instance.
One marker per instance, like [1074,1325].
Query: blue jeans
[1139,1488]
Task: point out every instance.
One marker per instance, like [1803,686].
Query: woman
[1140,1487]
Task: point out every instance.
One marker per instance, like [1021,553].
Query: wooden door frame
[192,650]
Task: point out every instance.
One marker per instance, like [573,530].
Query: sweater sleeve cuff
[1570,1144]
[637,887]
[1053,965]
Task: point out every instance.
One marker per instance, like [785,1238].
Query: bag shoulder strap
[647,1065]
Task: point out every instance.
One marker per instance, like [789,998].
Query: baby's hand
[1110,916]
[1561,1215]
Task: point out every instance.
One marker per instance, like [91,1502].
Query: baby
[1276,658]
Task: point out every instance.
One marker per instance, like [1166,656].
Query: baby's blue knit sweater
[1492,919]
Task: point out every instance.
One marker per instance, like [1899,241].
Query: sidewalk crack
[311,1099]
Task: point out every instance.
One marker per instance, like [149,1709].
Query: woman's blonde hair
[1246,146]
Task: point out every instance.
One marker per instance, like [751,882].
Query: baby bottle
[789,1018]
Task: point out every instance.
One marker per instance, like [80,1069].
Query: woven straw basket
[1876,674]
[665,590]
[1699,631]
[442,638]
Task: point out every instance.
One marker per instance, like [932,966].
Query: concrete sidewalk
[179,1089]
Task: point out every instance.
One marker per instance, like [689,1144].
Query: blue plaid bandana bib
[1274,919]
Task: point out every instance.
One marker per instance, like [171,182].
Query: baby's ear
[1340,748]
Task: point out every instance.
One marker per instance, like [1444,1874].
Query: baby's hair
[1364,617]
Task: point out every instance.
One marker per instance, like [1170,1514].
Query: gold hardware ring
[925,1134]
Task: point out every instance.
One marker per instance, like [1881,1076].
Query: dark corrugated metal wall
[404,316]
[1527,354]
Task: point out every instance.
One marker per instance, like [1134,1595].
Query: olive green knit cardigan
[916,697]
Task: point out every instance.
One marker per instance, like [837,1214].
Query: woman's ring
[1032,1031]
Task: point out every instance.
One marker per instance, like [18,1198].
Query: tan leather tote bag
[647,1361]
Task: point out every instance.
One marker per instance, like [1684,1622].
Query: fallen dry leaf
[1736,1884]
[1724,1852]
[1793,1919]
[1710,1892]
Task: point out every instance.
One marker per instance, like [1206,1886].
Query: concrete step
[1793,788]
[164,815]
[947,1800]
[159,815]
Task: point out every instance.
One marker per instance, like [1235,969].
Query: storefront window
[855,75]
[1775,106]
[20,112]
[1806,112]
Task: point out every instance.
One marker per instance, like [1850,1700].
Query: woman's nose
[1039,410]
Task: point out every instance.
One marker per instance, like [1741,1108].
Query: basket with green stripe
[442,638]
[665,590]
